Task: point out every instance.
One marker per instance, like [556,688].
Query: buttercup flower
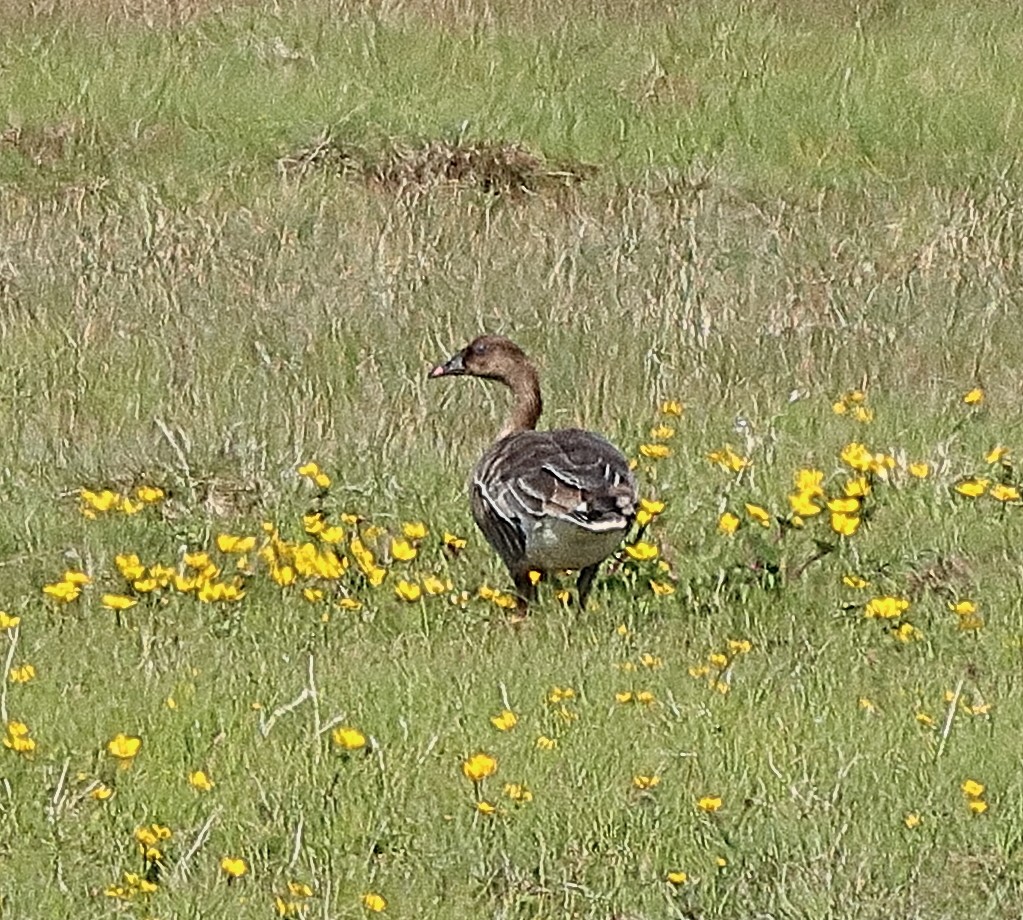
[233,867]
[124,747]
[349,739]
[479,767]
[505,720]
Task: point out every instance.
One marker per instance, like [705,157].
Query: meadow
[256,660]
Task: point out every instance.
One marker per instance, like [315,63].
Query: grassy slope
[860,224]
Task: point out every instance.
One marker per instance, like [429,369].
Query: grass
[791,202]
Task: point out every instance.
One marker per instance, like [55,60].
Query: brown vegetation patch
[493,167]
[42,145]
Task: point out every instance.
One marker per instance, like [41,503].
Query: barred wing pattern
[550,500]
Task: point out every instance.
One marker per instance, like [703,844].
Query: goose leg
[585,582]
[525,589]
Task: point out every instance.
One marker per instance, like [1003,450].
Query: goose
[544,500]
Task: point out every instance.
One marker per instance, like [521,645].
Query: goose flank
[544,500]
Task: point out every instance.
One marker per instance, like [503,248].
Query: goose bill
[453,367]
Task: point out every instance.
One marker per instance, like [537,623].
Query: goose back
[550,500]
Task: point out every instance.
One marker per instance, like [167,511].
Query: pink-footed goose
[545,500]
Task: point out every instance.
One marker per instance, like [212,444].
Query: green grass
[791,202]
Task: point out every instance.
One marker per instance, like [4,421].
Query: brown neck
[527,405]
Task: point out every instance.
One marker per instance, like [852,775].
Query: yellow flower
[662,588]
[996,455]
[972,789]
[677,878]
[129,565]
[434,585]
[149,494]
[857,456]
[479,767]
[18,738]
[408,590]
[810,481]
[518,793]
[333,534]
[963,608]
[8,622]
[740,646]
[886,608]
[1004,493]
[199,780]
[907,632]
[98,501]
[63,591]
[728,523]
[300,890]
[127,506]
[911,820]
[844,505]
[857,487]
[374,902]
[625,696]
[560,694]
[662,433]
[975,397]
[655,451]
[452,543]
[977,806]
[717,660]
[198,560]
[118,601]
[313,594]
[233,866]
[645,781]
[348,738]
[758,514]
[974,487]
[645,697]
[229,543]
[402,550]
[867,704]
[124,747]
[642,551]
[22,674]
[101,792]
[505,720]
[671,407]
[919,470]
[925,719]
[854,581]
[728,460]
[709,803]
[802,504]
[414,530]
[544,743]
[485,808]
[844,524]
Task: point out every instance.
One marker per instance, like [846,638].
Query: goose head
[492,357]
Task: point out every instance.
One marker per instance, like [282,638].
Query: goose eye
[480,348]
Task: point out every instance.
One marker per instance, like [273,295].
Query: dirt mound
[493,167]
